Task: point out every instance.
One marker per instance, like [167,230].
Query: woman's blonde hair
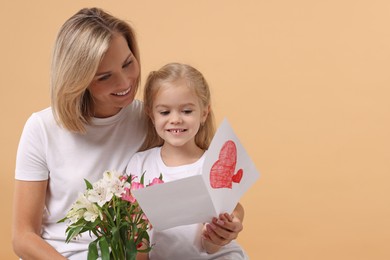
[79,48]
[195,80]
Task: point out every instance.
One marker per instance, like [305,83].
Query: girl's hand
[221,231]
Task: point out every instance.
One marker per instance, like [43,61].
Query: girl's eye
[164,113]
[187,111]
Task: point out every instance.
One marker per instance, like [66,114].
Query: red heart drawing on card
[222,172]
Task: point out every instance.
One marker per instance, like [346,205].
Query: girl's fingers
[228,217]
[214,237]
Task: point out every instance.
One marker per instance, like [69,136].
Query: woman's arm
[221,231]
[28,206]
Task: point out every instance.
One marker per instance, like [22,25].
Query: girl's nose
[175,118]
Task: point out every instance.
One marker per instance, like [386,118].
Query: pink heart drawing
[222,172]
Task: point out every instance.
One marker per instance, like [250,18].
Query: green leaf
[115,236]
[111,211]
[93,251]
[104,248]
[91,226]
[142,178]
[88,184]
[62,220]
[73,232]
[131,250]
[142,235]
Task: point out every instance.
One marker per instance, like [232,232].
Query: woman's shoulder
[40,118]
[135,115]
[136,108]
[45,113]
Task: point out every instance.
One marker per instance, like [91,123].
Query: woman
[93,124]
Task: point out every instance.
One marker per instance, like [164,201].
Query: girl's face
[114,84]
[177,113]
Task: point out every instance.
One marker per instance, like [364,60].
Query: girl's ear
[149,114]
[206,112]
[151,118]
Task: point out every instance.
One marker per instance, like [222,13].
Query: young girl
[180,129]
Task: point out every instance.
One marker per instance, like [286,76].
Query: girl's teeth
[177,130]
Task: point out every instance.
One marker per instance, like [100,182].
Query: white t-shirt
[182,242]
[49,152]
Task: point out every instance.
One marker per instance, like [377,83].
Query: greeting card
[227,173]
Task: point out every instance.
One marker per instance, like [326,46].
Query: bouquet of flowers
[108,210]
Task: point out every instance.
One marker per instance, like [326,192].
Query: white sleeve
[134,167]
[31,162]
[144,162]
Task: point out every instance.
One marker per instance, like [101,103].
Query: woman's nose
[123,80]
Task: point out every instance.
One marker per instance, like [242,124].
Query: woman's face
[115,82]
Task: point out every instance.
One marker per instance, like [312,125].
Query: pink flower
[156,181]
[127,194]
[136,185]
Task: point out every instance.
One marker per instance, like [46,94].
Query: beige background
[304,83]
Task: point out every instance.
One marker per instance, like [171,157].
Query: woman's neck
[177,156]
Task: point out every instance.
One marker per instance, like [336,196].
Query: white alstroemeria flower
[78,208]
[92,213]
[100,193]
[111,175]
[81,202]
[74,215]
[115,182]
[117,187]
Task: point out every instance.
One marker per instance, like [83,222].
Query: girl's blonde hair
[195,80]
[79,48]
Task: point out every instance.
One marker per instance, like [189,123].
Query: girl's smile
[175,131]
[177,114]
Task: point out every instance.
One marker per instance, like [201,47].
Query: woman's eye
[127,64]
[105,77]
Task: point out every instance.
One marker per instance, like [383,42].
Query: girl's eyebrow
[160,106]
[181,105]
[107,72]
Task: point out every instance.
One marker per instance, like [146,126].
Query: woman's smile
[123,93]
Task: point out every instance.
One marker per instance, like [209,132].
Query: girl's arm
[221,231]
[28,206]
